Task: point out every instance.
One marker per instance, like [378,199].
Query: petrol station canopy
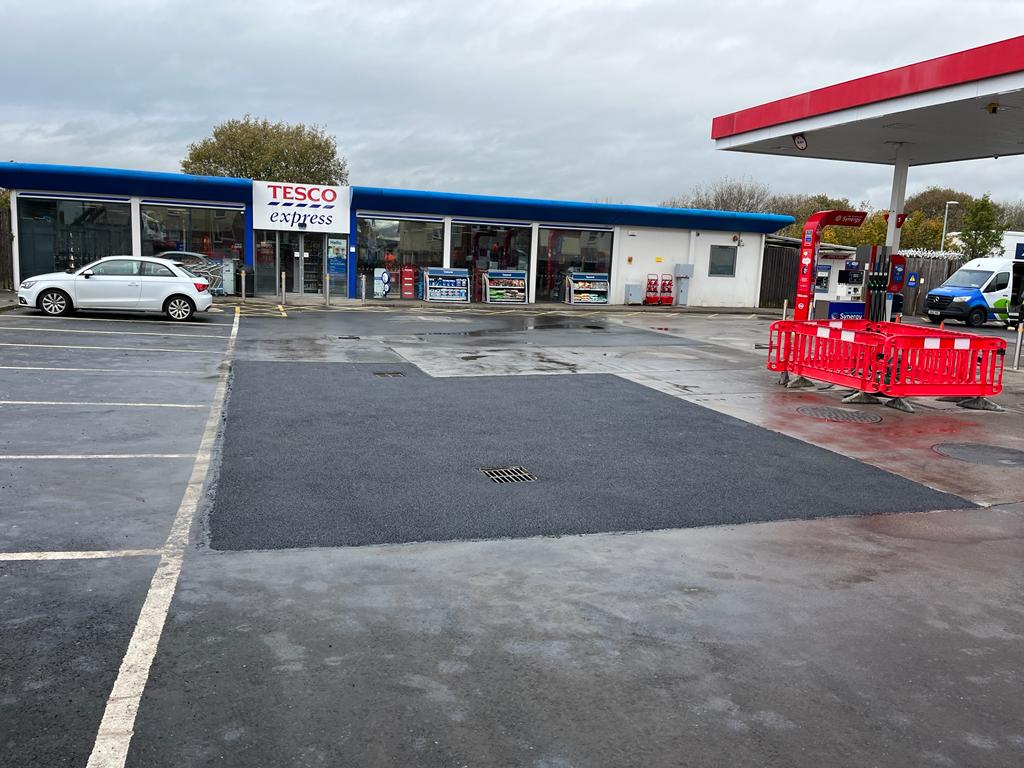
[961,106]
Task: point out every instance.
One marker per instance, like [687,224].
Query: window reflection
[562,250]
[54,235]
[391,244]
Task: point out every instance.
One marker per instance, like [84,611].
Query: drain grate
[980,453]
[349,338]
[388,374]
[838,414]
[508,474]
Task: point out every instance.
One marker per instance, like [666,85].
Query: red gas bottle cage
[666,290]
[890,359]
[653,293]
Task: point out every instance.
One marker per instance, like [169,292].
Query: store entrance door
[302,262]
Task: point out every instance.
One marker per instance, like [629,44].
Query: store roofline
[82,179]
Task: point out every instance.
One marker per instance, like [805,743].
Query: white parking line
[119,405]
[116,349]
[117,726]
[79,456]
[78,319]
[112,333]
[87,370]
[95,554]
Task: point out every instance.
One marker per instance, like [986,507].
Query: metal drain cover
[388,374]
[829,413]
[508,474]
[980,453]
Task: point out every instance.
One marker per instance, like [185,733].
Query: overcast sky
[573,99]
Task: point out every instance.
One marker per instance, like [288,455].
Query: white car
[144,284]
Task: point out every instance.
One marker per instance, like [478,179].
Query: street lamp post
[945,218]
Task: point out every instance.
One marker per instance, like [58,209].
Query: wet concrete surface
[882,640]
[398,459]
[864,640]
[64,627]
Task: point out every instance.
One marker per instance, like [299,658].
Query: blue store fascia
[97,182]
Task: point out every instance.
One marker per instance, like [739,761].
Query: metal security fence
[778,275]
[6,250]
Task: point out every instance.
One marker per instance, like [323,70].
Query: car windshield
[968,278]
[185,269]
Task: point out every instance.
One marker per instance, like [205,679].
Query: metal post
[283,275]
[785,308]
[243,286]
[945,218]
[327,289]
[1020,335]
[362,287]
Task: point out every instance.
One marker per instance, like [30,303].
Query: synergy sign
[300,207]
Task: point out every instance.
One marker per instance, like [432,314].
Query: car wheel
[179,308]
[934,320]
[976,318]
[55,303]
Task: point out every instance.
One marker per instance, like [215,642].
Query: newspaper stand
[892,360]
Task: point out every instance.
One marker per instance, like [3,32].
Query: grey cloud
[575,99]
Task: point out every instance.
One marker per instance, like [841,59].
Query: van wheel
[179,308]
[976,318]
[55,303]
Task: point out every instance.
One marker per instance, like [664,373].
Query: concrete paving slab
[64,627]
[70,505]
[99,429]
[882,640]
[106,386]
[397,459]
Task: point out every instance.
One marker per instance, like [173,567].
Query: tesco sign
[300,207]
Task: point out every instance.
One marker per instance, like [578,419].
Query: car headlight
[28,283]
[960,299]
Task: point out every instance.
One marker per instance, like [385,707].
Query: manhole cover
[508,474]
[388,374]
[838,414]
[980,453]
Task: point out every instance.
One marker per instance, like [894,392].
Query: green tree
[259,149]
[932,203]
[981,234]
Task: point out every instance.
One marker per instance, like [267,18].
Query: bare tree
[727,194]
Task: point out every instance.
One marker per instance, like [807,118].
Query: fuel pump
[807,275]
[886,277]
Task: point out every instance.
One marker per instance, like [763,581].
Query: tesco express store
[389,242]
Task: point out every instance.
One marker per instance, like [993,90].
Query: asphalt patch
[331,455]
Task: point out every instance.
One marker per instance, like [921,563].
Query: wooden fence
[781,263]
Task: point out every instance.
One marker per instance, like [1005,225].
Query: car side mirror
[87,273]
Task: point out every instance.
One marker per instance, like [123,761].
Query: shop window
[562,250]
[391,244]
[204,239]
[722,261]
[481,247]
[54,235]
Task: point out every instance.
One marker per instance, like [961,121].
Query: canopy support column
[899,193]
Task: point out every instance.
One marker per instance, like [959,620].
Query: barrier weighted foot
[862,398]
[900,404]
[799,382]
[979,404]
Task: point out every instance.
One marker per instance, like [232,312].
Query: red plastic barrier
[893,359]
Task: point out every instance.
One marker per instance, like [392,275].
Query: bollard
[362,287]
[785,308]
[243,286]
[327,290]
[1016,356]
[283,276]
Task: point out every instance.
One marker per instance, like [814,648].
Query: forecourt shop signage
[300,207]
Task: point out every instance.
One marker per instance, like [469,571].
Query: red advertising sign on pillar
[809,253]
